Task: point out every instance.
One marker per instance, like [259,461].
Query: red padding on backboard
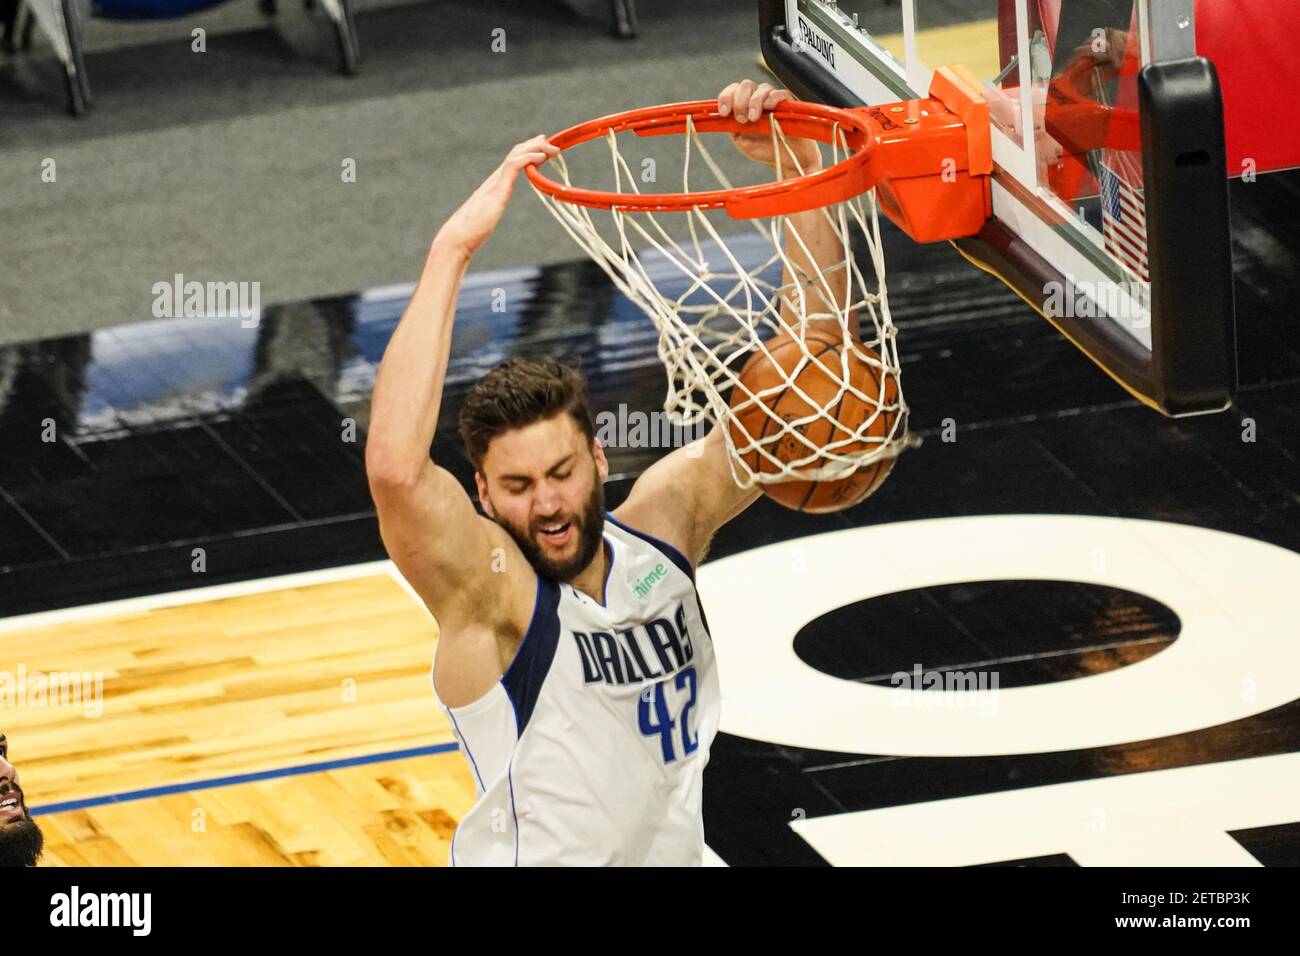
[1255,48]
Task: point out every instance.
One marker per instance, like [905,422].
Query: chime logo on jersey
[642,587]
[650,650]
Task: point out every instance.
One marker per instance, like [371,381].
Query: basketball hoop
[844,180]
[719,300]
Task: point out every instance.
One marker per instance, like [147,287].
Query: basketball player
[574,661]
[21,839]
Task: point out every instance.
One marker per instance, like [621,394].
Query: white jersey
[591,748]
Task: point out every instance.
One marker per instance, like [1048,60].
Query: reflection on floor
[165,456]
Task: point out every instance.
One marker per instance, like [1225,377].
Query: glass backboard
[1109,189]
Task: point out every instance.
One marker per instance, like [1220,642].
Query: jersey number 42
[654,717]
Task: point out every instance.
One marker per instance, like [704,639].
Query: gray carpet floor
[226,165]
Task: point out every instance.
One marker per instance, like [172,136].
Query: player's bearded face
[587,523]
[21,840]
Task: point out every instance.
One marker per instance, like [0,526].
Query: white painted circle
[1238,654]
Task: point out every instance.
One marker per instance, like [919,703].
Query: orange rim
[844,180]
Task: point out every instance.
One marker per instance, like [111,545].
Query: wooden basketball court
[244,729]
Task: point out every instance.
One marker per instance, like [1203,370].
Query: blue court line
[242,778]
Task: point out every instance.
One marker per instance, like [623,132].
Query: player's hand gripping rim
[471,225]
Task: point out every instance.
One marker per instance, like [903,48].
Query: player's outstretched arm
[465,568]
[818,246]
[685,497]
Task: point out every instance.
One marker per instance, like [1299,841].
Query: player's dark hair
[517,393]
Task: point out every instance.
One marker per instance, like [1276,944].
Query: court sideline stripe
[88,802]
[198,595]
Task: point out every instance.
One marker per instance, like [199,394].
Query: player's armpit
[686,496]
[465,568]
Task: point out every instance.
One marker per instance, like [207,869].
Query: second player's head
[20,837]
[539,470]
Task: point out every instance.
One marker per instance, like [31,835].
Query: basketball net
[729,311]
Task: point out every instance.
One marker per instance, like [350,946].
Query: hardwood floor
[243,685]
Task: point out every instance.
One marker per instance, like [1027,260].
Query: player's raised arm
[819,247]
[429,525]
[686,496]
[689,494]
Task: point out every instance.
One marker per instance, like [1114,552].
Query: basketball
[819,380]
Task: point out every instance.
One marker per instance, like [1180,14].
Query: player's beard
[21,842]
[589,528]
